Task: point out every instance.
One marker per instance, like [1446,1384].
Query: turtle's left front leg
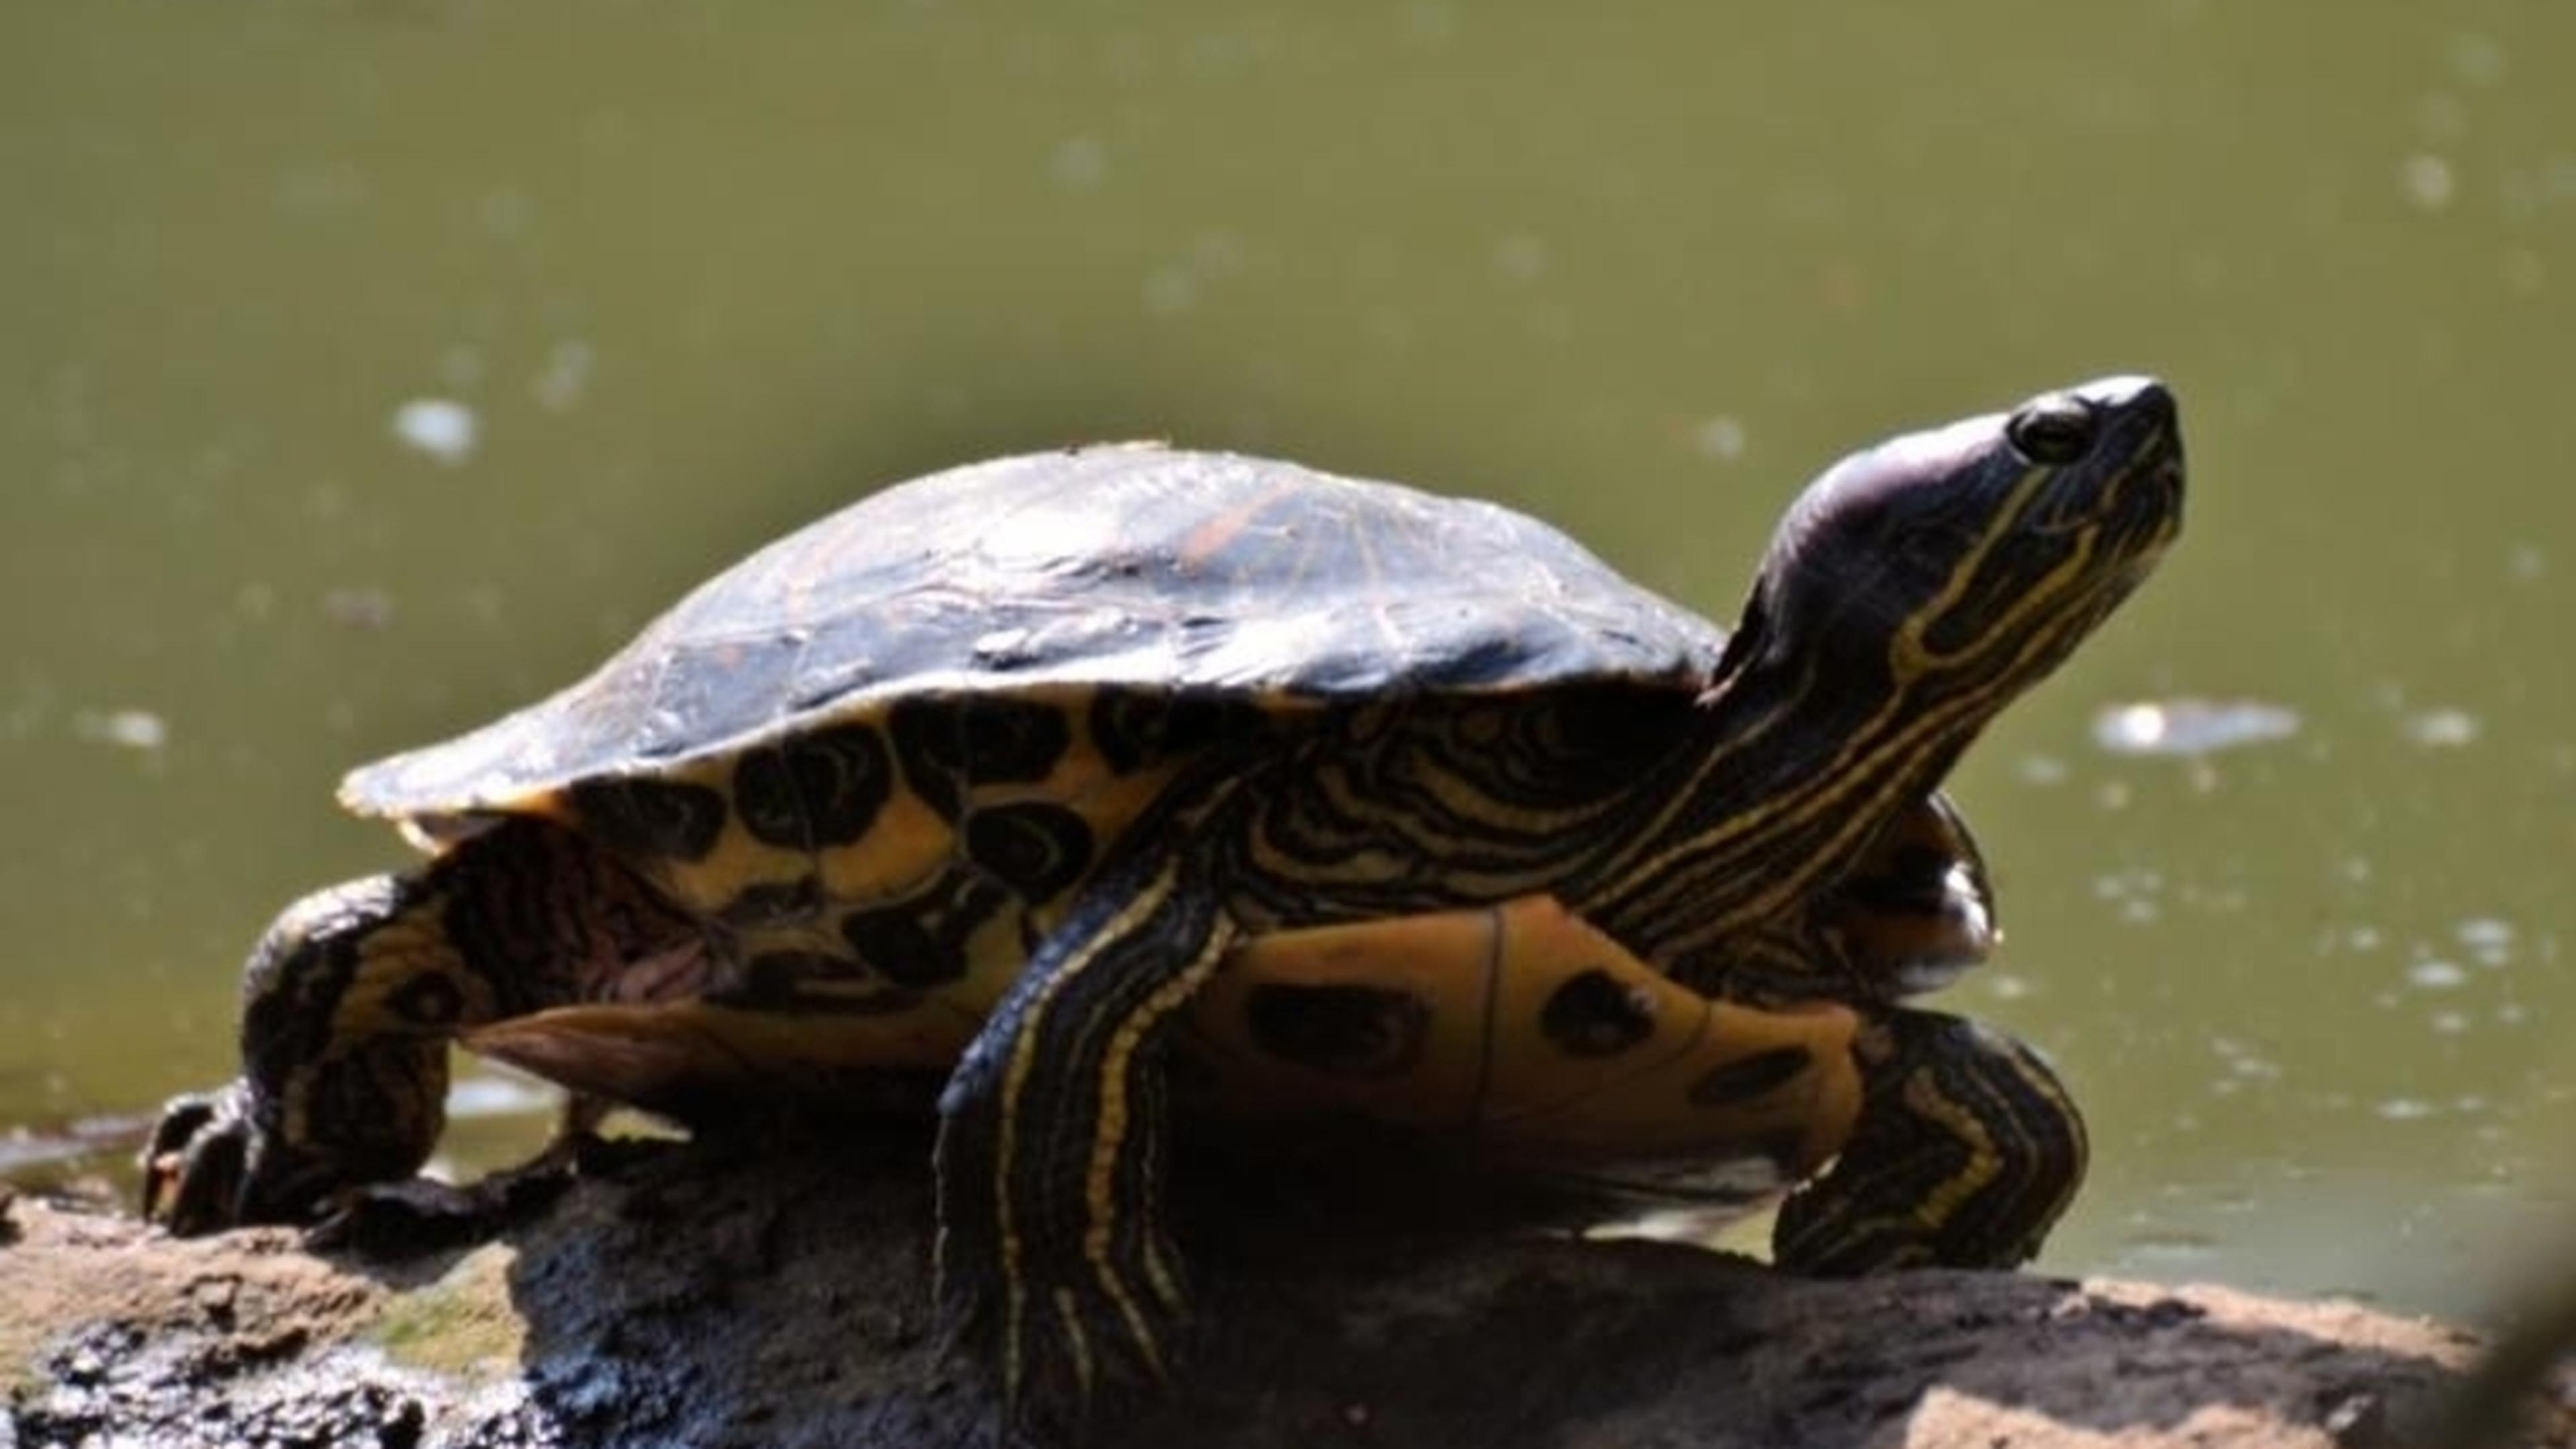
[1053,1252]
[1966,1151]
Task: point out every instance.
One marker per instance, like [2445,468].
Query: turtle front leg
[1966,1151]
[1054,1257]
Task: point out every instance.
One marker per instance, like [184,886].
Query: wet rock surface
[679,1294]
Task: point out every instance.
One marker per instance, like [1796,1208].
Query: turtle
[1046,791]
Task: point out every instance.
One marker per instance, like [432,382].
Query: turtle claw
[1070,1355]
[1074,1330]
[196,1164]
[212,1165]
[1084,1357]
[182,1118]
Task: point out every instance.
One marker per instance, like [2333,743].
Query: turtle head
[1957,566]
[1911,593]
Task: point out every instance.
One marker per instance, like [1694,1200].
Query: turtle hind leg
[1966,1151]
[1054,1257]
[349,1002]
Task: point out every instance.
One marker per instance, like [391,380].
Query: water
[369,369]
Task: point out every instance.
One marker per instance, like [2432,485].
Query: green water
[701,272]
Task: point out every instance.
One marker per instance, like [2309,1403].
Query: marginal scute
[818,789]
[921,942]
[1134,729]
[1035,847]
[646,819]
[1012,740]
[930,746]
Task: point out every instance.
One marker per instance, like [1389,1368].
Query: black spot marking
[1349,1031]
[815,790]
[1013,739]
[1037,849]
[774,903]
[1741,1081]
[921,943]
[1592,1015]
[1133,729]
[427,999]
[651,818]
[931,748]
[948,744]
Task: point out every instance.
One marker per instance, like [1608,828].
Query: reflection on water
[343,414]
[2190,726]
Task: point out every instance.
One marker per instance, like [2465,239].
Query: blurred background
[369,369]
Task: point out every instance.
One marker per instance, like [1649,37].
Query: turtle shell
[878,758]
[1051,574]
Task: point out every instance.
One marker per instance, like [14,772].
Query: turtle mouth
[2143,519]
[2154,510]
[2165,491]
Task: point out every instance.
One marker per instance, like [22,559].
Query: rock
[693,1295]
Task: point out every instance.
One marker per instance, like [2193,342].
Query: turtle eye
[2052,430]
